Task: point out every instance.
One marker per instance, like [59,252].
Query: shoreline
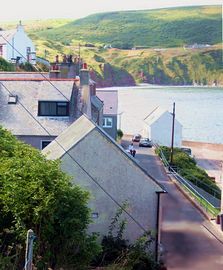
[163,86]
[211,146]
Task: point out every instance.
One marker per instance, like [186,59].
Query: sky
[12,10]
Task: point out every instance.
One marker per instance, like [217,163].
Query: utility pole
[172,139]
[79,57]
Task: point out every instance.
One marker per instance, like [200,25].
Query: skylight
[12,99]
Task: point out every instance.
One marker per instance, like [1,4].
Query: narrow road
[187,237]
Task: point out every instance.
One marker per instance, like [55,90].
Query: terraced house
[37,109]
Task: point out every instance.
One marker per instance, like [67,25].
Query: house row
[55,103]
[68,119]
[38,111]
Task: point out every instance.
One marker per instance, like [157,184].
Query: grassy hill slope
[170,27]
[151,28]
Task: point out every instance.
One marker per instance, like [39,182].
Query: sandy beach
[209,157]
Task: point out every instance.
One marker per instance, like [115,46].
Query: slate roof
[110,100]
[77,132]
[156,114]
[96,102]
[8,35]
[16,119]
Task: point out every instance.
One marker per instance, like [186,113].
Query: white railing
[209,207]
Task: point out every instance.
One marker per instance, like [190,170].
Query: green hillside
[170,27]
[160,58]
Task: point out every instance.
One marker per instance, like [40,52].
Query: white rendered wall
[161,131]
[20,42]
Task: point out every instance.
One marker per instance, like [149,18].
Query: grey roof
[72,135]
[110,100]
[96,102]
[16,119]
[8,35]
[155,115]
[75,133]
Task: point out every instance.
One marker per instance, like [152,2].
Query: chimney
[20,27]
[85,95]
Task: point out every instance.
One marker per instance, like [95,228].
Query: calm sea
[200,110]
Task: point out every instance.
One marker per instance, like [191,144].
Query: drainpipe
[157,240]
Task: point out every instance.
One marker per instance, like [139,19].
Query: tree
[35,194]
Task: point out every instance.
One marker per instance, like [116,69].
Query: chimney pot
[84,65]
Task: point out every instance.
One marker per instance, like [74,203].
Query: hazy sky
[42,9]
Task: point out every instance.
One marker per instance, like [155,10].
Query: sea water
[198,109]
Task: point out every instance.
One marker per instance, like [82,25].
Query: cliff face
[168,67]
[112,76]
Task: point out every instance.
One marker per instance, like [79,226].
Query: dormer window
[53,108]
[12,99]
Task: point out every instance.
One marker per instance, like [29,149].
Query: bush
[119,134]
[187,168]
[6,66]
[27,67]
[119,254]
[35,194]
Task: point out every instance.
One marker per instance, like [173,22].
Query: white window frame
[107,122]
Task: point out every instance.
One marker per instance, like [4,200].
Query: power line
[39,70]
[88,174]
[66,151]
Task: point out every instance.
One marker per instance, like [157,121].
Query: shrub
[187,168]
[27,67]
[6,66]
[35,194]
[119,134]
[119,254]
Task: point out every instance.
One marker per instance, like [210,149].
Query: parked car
[136,138]
[187,151]
[145,142]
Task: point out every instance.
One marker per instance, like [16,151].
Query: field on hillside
[150,44]
[171,27]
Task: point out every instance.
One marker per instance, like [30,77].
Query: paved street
[186,237]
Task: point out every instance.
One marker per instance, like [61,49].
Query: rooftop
[18,120]
[110,100]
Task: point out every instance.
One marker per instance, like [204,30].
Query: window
[53,108]
[95,215]
[44,144]
[1,50]
[107,122]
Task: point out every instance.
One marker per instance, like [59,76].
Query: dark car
[187,151]
[136,138]
[145,142]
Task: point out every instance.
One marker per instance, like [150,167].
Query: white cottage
[15,45]
[158,127]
